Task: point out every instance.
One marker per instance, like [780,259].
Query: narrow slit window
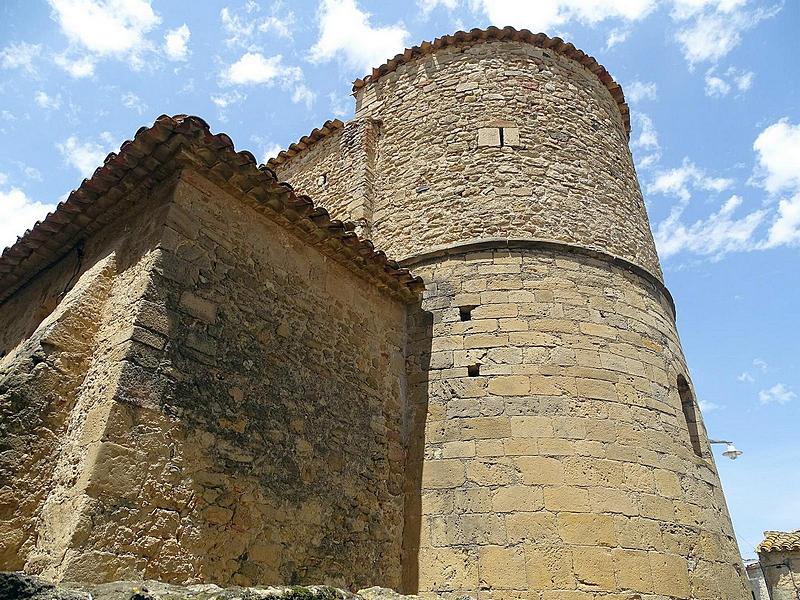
[465,312]
[690,415]
[473,370]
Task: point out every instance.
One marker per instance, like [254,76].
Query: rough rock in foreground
[18,586]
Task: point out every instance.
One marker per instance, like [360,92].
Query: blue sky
[713,86]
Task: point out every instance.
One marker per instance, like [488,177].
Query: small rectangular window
[465,312]
[473,370]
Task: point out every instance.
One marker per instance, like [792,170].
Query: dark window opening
[465,312]
[502,138]
[473,370]
[690,414]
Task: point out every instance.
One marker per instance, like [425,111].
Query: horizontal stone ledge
[483,244]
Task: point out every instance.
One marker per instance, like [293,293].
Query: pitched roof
[475,36]
[780,541]
[93,204]
[304,142]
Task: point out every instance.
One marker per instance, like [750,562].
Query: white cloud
[346,31]
[716,235]
[427,6]
[785,228]
[716,86]
[85,156]
[778,393]
[745,377]
[254,68]
[18,212]
[744,81]
[778,154]
[677,182]
[48,102]
[29,172]
[720,84]
[707,406]
[242,27]
[76,67]
[645,140]
[760,364]
[710,29]
[132,101]
[278,26]
[239,30]
[616,36]
[106,27]
[270,151]
[176,43]
[20,55]
[341,106]
[637,91]
[228,98]
[303,95]
[545,15]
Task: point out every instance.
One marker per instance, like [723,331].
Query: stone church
[212,371]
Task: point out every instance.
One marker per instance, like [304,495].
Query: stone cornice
[539,244]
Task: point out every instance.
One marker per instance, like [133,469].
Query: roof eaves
[477,35]
[304,142]
[48,240]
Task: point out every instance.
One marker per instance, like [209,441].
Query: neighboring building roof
[780,541]
[304,142]
[507,33]
[92,205]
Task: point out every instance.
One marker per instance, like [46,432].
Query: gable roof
[476,36]
[91,205]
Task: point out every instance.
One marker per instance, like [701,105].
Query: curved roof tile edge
[476,35]
[304,142]
[37,242]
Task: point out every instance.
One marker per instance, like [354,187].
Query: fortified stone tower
[559,446]
[204,377]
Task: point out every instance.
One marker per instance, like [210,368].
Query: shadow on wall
[420,328]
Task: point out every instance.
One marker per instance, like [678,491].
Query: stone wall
[564,171]
[242,424]
[557,458]
[781,574]
[338,172]
[558,446]
[61,340]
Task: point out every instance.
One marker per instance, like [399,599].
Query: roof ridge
[478,35]
[51,238]
[304,142]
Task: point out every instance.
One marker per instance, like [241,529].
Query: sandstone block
[447,473]
[510,385]
[502,567]
[582,528]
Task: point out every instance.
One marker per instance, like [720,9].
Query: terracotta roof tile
[476,36]
[780,541]
[304,142]
[92,204]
